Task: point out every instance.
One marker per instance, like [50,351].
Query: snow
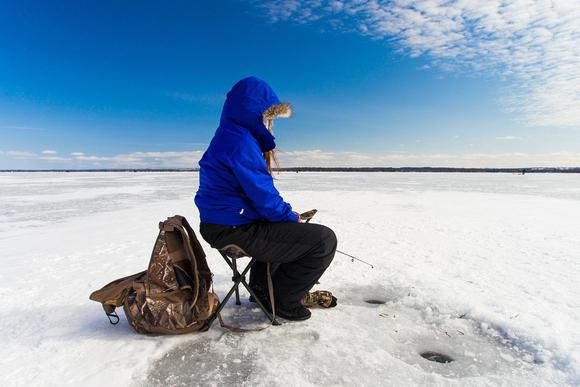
[480,267]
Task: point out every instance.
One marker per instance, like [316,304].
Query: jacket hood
[249,104]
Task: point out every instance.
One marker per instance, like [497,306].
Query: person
[239,204]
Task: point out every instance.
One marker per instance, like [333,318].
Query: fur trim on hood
[280,110]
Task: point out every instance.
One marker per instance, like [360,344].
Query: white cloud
[18,154]
[533,44]
[196,98]
[49,152]
[320,158]
[26,128]
[317,158]
[508,138]
[124,160]
[55,158]
[90,158]
[146,159]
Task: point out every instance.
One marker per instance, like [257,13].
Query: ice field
[481,267]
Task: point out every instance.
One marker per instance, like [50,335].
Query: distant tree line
[334,169]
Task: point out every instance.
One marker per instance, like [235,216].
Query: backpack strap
[271,292]
[177,223]
[114,294]
[202,266]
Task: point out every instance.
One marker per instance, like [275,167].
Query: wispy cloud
[28,128]
[55,158]
[509,138]
[312,158]
[404,159]
[18,154]
[169,159]
[196,98]
[532,44]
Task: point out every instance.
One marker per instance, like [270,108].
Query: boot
[263,296]
[297,313]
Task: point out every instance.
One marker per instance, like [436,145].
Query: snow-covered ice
[480,267]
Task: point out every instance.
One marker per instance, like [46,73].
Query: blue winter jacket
[234,184]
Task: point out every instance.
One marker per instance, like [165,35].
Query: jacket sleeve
[249,167]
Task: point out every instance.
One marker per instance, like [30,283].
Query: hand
[298,216]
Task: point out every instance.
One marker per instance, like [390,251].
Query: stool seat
[233,251]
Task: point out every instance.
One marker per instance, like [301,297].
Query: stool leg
[235,268]
[262,306]
[221,306]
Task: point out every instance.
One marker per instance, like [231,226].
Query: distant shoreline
[329,169]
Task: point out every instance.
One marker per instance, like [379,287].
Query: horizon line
[520,170]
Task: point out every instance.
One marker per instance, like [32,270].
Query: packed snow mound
[481,269]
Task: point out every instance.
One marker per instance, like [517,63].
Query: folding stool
[231,253]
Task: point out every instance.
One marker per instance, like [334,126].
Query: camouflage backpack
[172,296]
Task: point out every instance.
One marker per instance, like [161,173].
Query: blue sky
[98,84]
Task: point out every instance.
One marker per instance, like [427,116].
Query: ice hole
[375,301]
[436,357]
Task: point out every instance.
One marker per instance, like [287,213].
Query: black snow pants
[299,253]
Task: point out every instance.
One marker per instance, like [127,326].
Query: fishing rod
[352,258]
[307,216]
